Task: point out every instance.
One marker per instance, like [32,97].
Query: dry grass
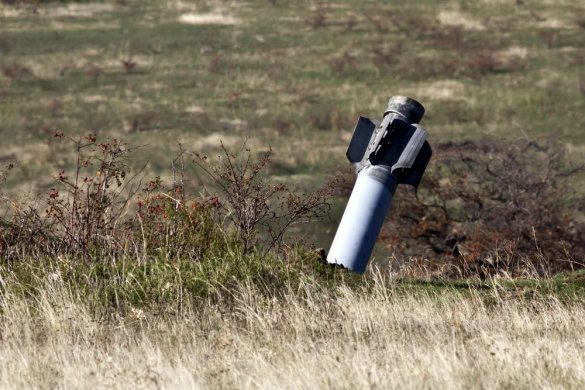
[457,19]
[311,338]
[214,18]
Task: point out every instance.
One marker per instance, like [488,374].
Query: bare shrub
[98,210]
[489,207]
[261,211]
[90,202]
[168,222]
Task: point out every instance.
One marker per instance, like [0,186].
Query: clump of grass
[164,282]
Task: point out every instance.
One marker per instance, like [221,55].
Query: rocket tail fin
[414,174]
[360,140]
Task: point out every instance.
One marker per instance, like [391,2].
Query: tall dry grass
[310,338]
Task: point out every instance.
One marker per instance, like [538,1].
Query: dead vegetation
[489,208]
[378,336]
[259,210]
[100,209]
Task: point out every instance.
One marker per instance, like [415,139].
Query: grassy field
[167,311]
[293,76]
[388,333]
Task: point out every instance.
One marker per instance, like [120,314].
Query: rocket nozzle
[408,108]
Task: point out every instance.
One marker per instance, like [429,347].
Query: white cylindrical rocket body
[363,218]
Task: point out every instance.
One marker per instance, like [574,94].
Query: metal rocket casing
[384,154]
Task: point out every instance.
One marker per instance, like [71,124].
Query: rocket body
[362,219]
[385,154]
